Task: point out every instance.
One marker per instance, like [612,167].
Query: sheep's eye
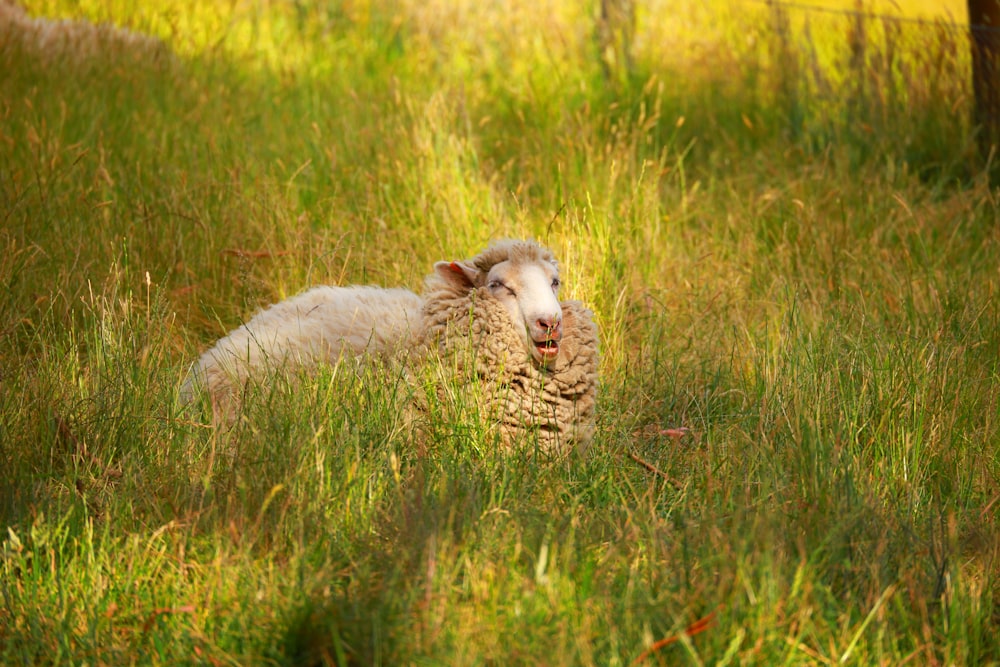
[555,283]
[499,285]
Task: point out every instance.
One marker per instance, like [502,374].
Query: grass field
[779,217]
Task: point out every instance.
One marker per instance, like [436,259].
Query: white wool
[318,325]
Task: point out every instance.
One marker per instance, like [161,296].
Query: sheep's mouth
[547,349]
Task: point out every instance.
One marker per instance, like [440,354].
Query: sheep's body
[72,41]
[492,322]
[319,325]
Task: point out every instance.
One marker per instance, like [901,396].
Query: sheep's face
[528,292]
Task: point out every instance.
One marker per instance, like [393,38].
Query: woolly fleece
[319,325]
[474,335]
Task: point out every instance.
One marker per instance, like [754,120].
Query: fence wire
[879,16]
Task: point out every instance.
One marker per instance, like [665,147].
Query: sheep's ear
[459,274]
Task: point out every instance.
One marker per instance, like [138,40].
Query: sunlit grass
[790,253]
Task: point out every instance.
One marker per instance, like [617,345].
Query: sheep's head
[524,278]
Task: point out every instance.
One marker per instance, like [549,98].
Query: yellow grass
[949,10]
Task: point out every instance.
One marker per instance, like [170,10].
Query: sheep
[493,321]
[74,41]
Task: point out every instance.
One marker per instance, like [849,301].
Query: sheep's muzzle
[547,349]
[547,345]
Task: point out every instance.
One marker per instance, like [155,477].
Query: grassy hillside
[778,216]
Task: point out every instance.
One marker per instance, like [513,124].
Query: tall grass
[777,216]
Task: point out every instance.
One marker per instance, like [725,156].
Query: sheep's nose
[551,326]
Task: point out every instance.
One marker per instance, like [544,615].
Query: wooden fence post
[984,22]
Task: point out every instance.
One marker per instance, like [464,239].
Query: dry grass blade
[695,628]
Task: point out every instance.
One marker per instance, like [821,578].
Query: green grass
[791,247]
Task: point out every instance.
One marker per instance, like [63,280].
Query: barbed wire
[871,15]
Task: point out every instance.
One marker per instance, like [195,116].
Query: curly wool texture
[472,332]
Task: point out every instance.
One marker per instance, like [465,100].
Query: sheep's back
[318,325]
